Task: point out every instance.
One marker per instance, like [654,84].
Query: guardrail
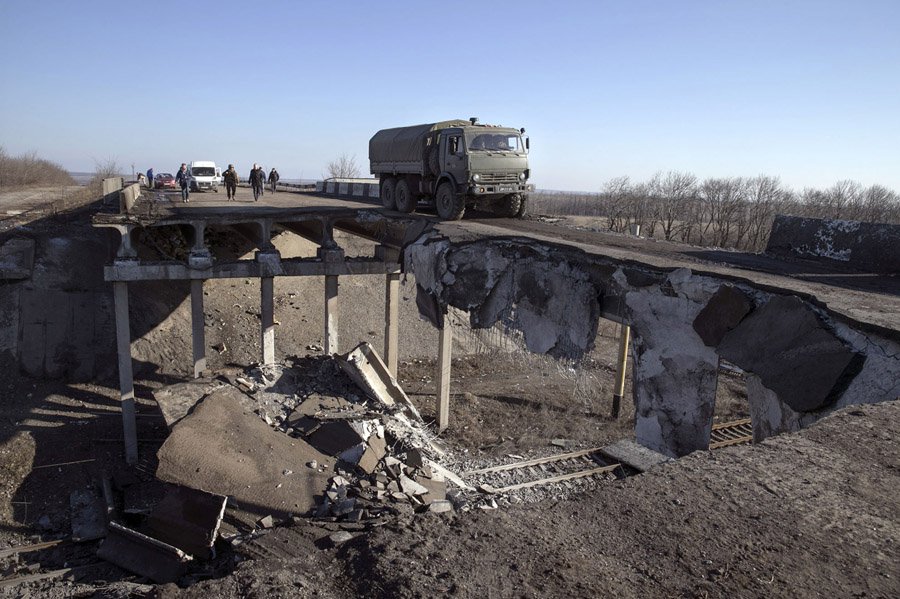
[356,188]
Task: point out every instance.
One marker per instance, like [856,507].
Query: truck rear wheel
[509,206]
[404,198]
[449,204]
[388,188]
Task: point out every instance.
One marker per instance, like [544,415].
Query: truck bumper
[499,188]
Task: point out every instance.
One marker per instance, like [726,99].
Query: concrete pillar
[267,313]
[331,314]
[619,389]
[675,374]
[445,345]
[126,380]
[392,322]
[198,333]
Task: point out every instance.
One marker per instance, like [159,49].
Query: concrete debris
[143,555]
[724,311]
[175,401]
[88,515]
[634,455]
[266,522]
[225,449]
[793,354]
[188,519]
[440,506]
[339,537]
[367,370]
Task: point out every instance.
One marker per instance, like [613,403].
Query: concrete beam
[198,333]
[126,379]
[392,322]
[331,315]
[244,269]
[267,324]
[445,348]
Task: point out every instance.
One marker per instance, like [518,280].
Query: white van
[204,175]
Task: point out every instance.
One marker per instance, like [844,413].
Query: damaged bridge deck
[812,336]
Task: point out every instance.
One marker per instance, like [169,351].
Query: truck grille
[499,178]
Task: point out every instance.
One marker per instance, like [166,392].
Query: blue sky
[805,90]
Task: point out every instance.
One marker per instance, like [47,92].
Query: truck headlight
[476,177]
[521,176]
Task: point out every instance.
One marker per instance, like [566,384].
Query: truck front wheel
[510,205]
[404,198]
[449,204]
[388,188]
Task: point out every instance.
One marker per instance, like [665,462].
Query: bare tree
[344,167]
[673,193]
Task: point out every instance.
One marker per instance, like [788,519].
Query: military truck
[452,164]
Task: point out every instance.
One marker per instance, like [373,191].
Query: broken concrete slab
[440,506]
[88,515]
[634,455]
[861,245]
[365,367]
[794,355]
[335,437]
[188,519]
[724,311]
[175,401]
[225,449]
[143,555]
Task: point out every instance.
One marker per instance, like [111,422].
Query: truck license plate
[505,188]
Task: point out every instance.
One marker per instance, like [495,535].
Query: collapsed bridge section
[807,348]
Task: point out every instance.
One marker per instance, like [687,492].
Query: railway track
[736,432]
[562,468]
[591,463]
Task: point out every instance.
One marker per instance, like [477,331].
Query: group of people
[231,179]
[258,180]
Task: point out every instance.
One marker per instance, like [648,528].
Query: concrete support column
[675,374]
[392,322]
[445,345]
[619,389]
[198,333]
[267,313]
[126,380]
[331,314]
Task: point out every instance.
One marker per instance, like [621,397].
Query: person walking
[231,180]
[273,179]
[150,178]
[183,179]
[257,181]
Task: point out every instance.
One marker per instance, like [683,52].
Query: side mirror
[527,143]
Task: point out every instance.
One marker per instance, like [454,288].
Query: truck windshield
[496,142]
[203,171]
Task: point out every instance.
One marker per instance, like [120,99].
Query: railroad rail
[736,432]
[560,468]
[584,463]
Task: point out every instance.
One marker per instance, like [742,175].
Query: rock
[267,522]
[439,506]
[313,464]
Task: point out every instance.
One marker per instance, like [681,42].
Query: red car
[164,181]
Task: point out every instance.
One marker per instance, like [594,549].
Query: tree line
[728,212]
[27,169]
